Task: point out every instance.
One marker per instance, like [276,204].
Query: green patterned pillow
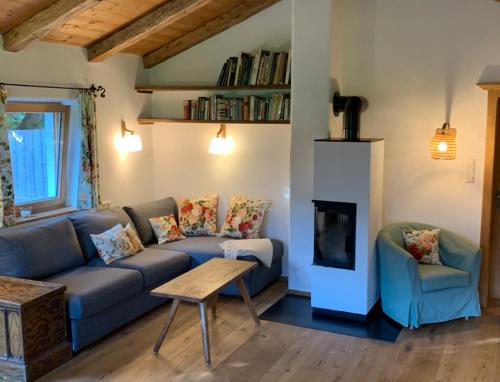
[423,245]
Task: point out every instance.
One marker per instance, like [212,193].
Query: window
[38,135]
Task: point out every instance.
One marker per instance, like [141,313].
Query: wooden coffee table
[201,285]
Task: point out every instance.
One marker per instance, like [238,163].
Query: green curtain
[7,208]
[88,179]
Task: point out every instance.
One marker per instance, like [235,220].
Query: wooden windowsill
[46,214]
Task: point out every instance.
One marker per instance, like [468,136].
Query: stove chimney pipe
[352,108]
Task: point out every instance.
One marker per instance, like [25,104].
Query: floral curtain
[88,179]
[7,208]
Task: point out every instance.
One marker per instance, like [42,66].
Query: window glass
[35,141]
[37,135]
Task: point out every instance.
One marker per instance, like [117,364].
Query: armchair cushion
[434,277]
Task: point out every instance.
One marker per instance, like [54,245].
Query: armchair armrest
[459,253]
[399,276]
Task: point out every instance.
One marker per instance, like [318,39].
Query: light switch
[470,170]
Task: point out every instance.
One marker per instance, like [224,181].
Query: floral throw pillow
[198,217]
[113,244]
[134,239]
[423,245]
[244,218]
[166,229]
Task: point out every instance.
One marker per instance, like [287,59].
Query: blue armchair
[414,294]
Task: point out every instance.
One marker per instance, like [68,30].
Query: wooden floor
[456,351]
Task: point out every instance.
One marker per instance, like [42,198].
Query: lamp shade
[221,146]
[444,143]
[132,142]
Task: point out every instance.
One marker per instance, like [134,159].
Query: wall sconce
[443,143]
[221,144]
[129,140]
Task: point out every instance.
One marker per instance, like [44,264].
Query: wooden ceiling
[154,29]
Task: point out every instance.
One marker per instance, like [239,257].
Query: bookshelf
[152,121]
[284,88]
[241,95]
[176,88]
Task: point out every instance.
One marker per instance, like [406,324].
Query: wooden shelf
[171,88]
[489,85]
[150,121]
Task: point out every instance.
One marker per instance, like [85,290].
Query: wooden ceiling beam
[210,29]
[41,24]
[157,19]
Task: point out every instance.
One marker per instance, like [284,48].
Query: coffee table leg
[214,305]
[204,332]
[170,318]
[248,300]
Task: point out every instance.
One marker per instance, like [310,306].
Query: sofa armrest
[459,253]
[399,278]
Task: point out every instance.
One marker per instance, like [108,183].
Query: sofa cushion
[203,248]
[156,265]
[91,290]
[39,250]
[437,277]
[140,213]
[96,222]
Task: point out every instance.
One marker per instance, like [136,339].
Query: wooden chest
[32,329]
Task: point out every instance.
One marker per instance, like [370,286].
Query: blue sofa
[101,298]
[414,294]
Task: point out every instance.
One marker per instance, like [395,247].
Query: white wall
[310,114]
[418,63]
[123,180]
[260,164]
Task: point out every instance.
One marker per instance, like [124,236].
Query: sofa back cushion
[88,223]
[39,250]
[141,213]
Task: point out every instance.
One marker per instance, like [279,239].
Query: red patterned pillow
[198,217]
[423,245]
[166,229]
[244,218]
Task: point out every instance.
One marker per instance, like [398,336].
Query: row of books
[264,68]
[248,108]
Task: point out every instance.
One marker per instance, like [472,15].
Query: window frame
[47,107]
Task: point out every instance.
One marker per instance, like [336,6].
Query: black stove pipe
[352,108]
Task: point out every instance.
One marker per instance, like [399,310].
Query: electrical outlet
[470,170]
[106,205]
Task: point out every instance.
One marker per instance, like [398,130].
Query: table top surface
[204,281]
[16,292]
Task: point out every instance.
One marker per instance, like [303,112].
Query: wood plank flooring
[456,351]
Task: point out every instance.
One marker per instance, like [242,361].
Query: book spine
[288,67]
[239,63]
[194,109]
[286,112]
[246,108]
[255,70]
[186,109]
[225,78]
[261,75]
[274,69]
[221,75]
[232,72]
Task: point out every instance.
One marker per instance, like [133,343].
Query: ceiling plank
[210,29]
[150,23]
[41,24]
